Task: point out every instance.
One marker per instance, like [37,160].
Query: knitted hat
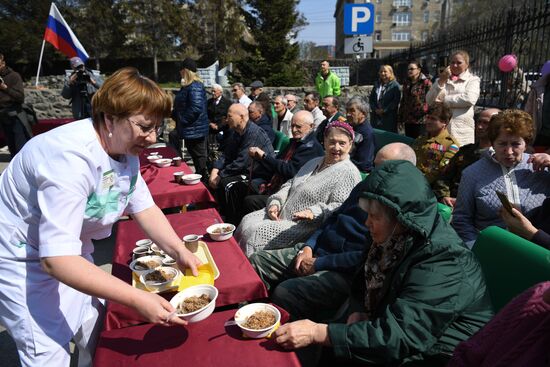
[76,62]
[343,125]
[189,64]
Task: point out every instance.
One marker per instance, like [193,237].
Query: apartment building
[397,23]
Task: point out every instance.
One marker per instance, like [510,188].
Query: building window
[377,36]
[426,16]
[401,36]
[378,17]
[424,36]
[402,2]
[402,19]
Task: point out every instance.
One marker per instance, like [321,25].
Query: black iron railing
[523,31]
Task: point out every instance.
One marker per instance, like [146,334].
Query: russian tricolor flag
[60,35]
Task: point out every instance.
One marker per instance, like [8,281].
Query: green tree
[273,50]
[99,26]
[157,28]
[22,29]
[216,30]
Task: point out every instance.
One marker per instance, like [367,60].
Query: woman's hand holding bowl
[156,309]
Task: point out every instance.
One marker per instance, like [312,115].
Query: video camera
[82,76]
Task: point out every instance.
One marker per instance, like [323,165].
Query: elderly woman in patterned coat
[302,203]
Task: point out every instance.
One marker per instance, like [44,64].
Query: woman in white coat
[459,89]
[64,189]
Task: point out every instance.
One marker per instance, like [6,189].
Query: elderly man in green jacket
[420,292]
[326,82]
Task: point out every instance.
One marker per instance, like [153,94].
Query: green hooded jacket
[434,298]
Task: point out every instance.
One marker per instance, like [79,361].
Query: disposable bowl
[245,312]
[191,179]
[213,231]
[164,162]
[196,290]
[157,259]
[156,286]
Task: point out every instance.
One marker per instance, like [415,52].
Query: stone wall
[48,103]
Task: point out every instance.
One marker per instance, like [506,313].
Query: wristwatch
[263,156]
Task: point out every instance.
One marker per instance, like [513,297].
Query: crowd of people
[347,238]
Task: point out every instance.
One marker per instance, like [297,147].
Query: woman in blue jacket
[384,101]
[190,114]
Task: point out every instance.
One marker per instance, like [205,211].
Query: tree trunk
[155,66]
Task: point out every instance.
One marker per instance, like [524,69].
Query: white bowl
[144,242]
[164,162]
[157,250]
[155,286]
[138,271]
[191,179]
[196,290]
[245,312]
[153,157]
[141,251]
[168,261]
[220,236]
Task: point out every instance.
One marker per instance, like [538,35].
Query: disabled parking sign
[358,19]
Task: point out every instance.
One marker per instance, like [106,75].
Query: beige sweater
[461,96]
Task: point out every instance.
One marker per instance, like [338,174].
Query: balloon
[507,63]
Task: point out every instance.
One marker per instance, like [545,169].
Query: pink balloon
[507,63]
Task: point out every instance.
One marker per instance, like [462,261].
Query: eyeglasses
[234,90]
[146,130]
[412,69]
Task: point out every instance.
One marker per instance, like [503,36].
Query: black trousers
[197,150]
[229,195]
[195,147]
[253,203]
[15,133]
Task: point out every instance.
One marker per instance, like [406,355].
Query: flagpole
[40,62]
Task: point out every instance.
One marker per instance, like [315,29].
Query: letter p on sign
[358,19]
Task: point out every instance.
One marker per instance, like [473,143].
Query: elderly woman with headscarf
[301,205]
[421,291]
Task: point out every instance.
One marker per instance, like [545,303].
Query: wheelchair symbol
[358,46]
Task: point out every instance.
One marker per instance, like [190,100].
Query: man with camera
[12,96]
[79,87]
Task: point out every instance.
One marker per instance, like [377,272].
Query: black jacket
[217,112]
[267,125]
[15,94]
[306,150]
[190,111]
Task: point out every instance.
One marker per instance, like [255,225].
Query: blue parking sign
[358,19]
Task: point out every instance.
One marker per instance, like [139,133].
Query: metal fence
[523,31]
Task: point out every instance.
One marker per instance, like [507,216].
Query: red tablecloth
[48,124]
[237,282]
[165,191]
[206,343]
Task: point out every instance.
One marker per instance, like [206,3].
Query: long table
[164,189]
[206,343]
[237,282]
